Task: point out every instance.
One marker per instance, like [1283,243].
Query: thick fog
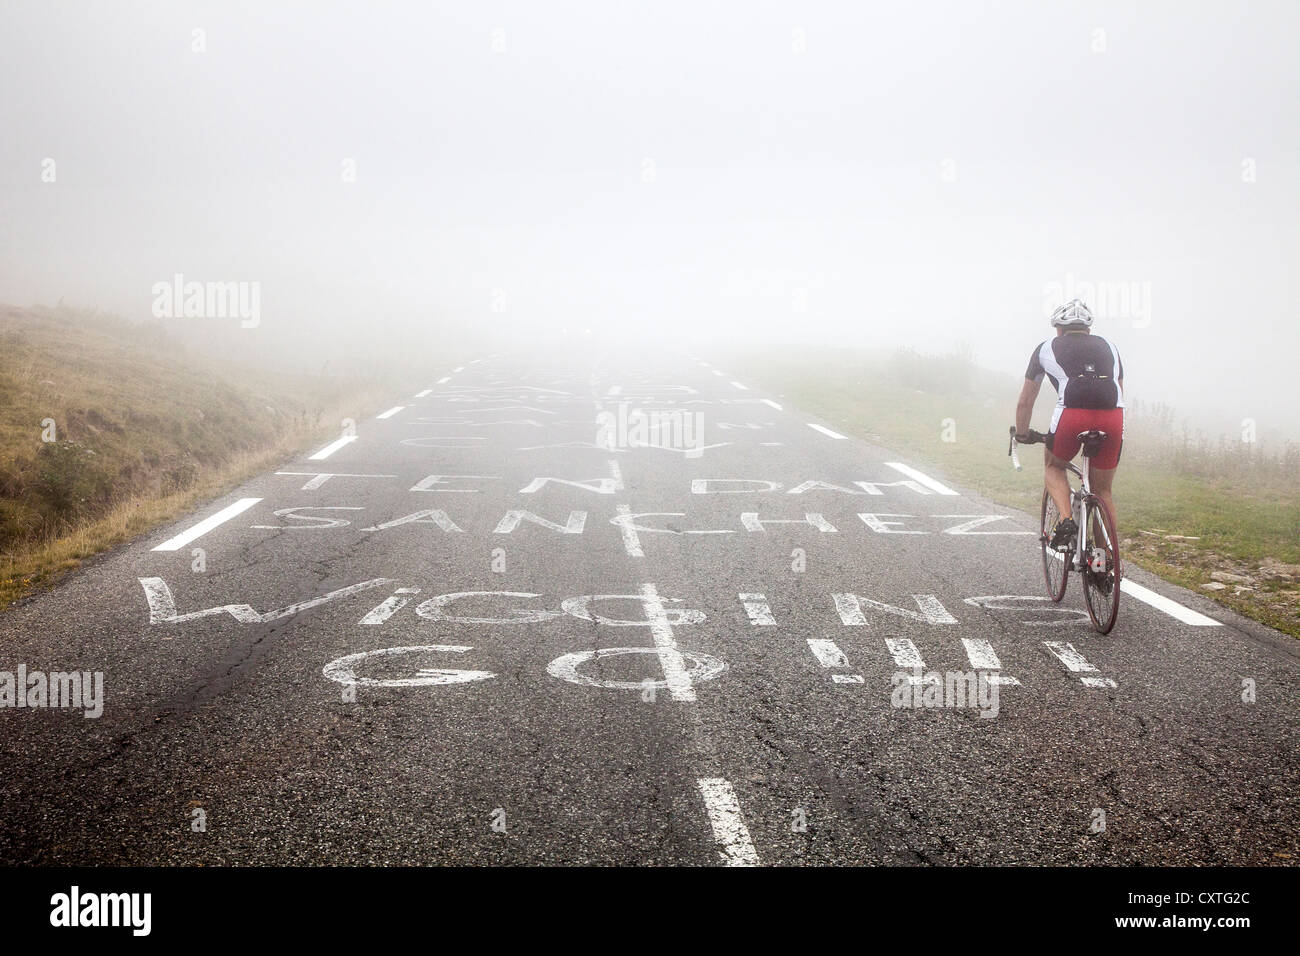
[395,175]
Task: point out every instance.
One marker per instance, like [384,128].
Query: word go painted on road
[401,667]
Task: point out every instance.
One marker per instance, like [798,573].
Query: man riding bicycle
[1088,376]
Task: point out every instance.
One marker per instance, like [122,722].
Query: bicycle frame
[1079,510]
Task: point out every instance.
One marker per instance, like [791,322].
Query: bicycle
[1094,551]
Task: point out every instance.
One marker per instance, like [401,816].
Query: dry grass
[40,563]
[145,431]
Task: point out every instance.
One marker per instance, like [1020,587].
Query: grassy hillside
[142,429]
[1191,506]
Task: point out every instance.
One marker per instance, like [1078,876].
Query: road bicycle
[1093,553]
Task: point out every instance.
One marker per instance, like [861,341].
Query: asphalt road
[671,678]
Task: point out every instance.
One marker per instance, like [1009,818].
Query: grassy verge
[110,428]
[1213,516]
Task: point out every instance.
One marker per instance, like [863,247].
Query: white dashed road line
[391,412]
[768,401]
[443,381]
[424,393]
[670,658]
[729,830]
[937,487]
[616,473]
[332,447]
[319,478]
[826,431]
[631,540]
[207,524]
[743,388]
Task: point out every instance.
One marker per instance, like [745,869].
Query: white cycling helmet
[1073,313]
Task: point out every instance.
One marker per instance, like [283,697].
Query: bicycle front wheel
[1056,566]
[1101,576]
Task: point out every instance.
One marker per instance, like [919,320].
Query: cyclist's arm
[1025,405]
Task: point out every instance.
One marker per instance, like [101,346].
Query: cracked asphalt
[679,715]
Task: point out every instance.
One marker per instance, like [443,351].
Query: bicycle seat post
[1091,442]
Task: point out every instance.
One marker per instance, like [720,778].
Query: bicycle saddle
[1091,441]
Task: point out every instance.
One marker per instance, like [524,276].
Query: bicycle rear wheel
[1056,566]
[1101,588]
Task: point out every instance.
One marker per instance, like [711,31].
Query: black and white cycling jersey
[1085,370]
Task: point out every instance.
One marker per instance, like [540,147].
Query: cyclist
[1088,376]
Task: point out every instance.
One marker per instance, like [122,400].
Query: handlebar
[1030,438]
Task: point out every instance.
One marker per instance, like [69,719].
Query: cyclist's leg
[1106,462]
[1056,482]
[1101,481]
[1061,446]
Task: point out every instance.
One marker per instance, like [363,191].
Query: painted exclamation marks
[829,655]
[1076,663]
[982,657]
[906,658]
[756,606]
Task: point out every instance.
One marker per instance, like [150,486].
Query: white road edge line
[391,412]
[1168,605]
[937,487]
[729,830]
[207,524]
[332,447]
[826,431]
[1161,603]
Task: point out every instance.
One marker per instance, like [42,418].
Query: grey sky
[834,172]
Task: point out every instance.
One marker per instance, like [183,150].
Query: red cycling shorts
[1063,440]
